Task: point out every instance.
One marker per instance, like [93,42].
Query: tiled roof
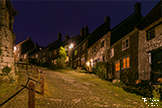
[98,33]
[125,27]
[152,16]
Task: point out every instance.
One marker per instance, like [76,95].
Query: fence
[31,95]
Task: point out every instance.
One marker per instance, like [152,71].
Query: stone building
[80,54]
[7,36]
[97,50]
[22,49]
[150,45]
[123,50]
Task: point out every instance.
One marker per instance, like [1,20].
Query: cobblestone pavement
[70,89]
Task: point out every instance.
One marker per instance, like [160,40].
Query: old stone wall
[144,47]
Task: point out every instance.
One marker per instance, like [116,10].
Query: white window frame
[124,46]
[111,52]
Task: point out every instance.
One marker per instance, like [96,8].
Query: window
[93,50]
[50,53]
[150,34]
[112,52]
[44,53]
[102,44]
[17,48]
[36,56]
[125,44]
[17,55]
[25,56]
[55,52]
[126,62]
[75,53]
[82,61]
[117,66]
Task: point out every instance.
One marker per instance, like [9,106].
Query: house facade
[150,45]
[7,36]
[22,49]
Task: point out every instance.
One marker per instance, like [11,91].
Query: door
[157,64]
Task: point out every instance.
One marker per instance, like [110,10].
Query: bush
[100,69]
[60,63]
[6,70]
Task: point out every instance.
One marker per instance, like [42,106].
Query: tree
[62,53]
[62,58]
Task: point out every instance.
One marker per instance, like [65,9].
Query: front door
[157,64]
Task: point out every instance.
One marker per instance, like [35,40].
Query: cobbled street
[70,89]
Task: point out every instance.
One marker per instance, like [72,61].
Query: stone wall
[144,47]
[130,74]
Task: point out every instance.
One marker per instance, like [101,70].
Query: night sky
[43,20]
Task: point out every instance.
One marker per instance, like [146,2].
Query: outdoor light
[71,46]
[15,48]
[87,64]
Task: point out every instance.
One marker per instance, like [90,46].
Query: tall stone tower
[7,36]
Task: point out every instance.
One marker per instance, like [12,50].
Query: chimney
[82,32]
[107,25]
[86,31]
[29,37]
[137,7]
[59,36]
[4,2]
[67,37]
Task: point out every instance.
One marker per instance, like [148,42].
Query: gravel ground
[70,89]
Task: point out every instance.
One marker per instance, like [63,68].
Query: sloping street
[71,89]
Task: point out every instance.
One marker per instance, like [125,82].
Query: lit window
[102,44]
[117,66]
[125,44]
[75,52]
[112,52]
[126,62]
[55,51]
[36,56]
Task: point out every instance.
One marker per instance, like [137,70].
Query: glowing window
[126,62]
[117,66]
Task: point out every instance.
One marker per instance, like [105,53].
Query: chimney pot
[137,7]
[67,37]
[29,37]
[86,30]
[59,36]
[82,32]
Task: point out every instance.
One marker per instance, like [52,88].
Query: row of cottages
[132,49]
[23,50]
[50,53]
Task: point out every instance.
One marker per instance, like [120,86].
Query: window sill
[125,68]
[125,48]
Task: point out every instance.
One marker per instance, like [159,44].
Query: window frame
[150,33]
[102,43]
[117,63]
[125,63]
[111,52]
[125,44]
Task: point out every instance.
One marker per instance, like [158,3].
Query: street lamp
[71,46]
